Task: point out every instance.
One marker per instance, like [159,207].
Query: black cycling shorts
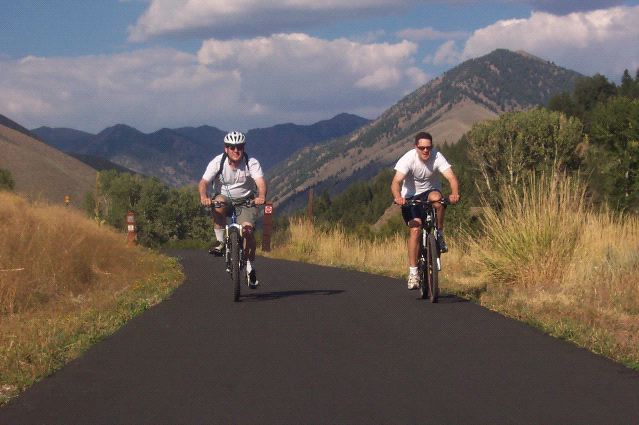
[411,212]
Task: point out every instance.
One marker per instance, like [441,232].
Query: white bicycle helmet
[234,138]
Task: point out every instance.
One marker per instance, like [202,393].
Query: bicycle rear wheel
[432,273]
[234,246]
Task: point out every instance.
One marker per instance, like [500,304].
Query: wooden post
[309,206]
[67,200]
[267,225]
[132,234]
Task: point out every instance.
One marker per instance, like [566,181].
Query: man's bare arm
[261,191]
[396,188]
[204,199]
[454,185]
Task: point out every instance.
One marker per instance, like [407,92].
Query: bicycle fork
[426,246]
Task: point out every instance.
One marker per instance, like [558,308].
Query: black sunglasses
[234,147]
[425,148]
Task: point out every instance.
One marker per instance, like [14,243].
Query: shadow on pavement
[448,299]
[268,296]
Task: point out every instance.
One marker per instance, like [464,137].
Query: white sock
[249,266]
[412,270]
[219,234]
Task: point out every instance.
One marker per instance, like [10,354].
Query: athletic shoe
[413,281]
[217,248]
[252,279]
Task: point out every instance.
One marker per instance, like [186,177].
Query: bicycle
[234,245]
[429,254]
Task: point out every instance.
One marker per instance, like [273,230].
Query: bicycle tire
[432,272]
[421,271]
[234,245]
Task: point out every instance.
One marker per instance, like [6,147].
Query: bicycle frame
[429,225]
[428,257]
[234,245]
[227,241]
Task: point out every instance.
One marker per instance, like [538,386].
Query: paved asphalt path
[317,345]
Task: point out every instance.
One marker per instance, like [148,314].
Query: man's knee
[414,227]
[435,196]
[247,230]
[221,209]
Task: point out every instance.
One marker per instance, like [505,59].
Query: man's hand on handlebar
[206,201]
[399,200]
[453,198]
[259,201]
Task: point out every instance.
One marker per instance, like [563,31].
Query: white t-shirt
[420,175]
[239,182]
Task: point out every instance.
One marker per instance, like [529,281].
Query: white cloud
[230,84]
[242,18]
[429,33]
[562,7]
[447,53]
[296,72]
[226,19]
[603,41]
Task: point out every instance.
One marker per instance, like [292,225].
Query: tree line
[163,214]
[592,131]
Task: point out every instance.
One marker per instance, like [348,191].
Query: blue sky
[250,63]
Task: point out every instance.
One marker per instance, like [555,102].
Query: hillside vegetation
[448,106]
[65,283]
[40,171]
[546,257]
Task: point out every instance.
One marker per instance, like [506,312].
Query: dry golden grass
[546,258]
[384,256]
[65,282]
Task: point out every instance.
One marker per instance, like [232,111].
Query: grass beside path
[545,258]
[65,284]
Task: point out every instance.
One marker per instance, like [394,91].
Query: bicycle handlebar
[415,202]
[244,203]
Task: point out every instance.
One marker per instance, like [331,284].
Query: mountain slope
[447,106]
[42,172]
[179,156]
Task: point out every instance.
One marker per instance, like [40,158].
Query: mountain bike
[428,256]
[234,245]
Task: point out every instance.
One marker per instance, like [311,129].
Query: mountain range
[179,156]
[447,107]
[331,154]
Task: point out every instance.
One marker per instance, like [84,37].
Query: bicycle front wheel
[421,270]
[431,268]
[234,246]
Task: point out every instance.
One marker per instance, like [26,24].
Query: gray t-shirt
[239,182]
[420,175]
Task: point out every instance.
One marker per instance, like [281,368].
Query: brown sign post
[132,234]
[267,226]
[309,205]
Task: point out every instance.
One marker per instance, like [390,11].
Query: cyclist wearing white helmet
[234,177]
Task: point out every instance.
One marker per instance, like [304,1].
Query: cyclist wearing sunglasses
[417,177]
[234,177]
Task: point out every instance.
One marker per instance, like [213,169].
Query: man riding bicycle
[415,178]
[234,176]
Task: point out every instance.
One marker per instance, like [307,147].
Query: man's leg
[414,230]
[249,238]
[219,223]
[441,211]
[249,251]
[414,233]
